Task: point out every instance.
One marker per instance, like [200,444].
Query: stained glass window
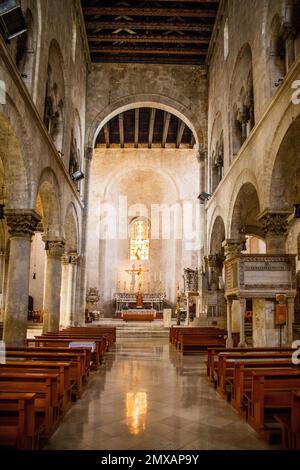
[139,240]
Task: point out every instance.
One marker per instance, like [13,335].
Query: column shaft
[242,343]
[22,224]
[229,342]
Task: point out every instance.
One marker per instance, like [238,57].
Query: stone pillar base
[229,343]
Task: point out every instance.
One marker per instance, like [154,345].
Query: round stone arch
[244,206]
[14,154]
[71,230]
[288,129]
[48,201]
[217,235]
[150,101]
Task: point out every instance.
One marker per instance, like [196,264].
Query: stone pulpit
[261,278]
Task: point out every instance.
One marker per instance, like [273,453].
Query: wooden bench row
[197,339]
[261,384]
[37,385]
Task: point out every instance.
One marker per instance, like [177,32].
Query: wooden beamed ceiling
[145,128]
[150,31]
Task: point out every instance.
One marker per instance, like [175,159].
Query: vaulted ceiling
[145,128]
[150,31]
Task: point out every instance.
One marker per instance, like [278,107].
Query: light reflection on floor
[147,396]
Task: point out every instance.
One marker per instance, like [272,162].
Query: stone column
[2,275]
[275,228]
[52,287]
[22,225]
[83,278]
[64,289]
[229,341]
[71,296]
[242,343]
[4,281]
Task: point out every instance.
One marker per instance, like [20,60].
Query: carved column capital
[215,261]
[275,223]
[232,248]
[65,259]
[74,258]
[22,223]
[55,249]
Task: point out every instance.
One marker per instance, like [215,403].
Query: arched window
[139,239]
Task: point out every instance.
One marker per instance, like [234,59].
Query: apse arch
[146,101]
[118,174]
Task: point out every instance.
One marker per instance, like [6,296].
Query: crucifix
[136,272]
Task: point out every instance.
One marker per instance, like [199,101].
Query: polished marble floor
[148,397]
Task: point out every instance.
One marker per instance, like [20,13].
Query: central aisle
[148,397]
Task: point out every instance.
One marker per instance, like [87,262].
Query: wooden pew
[77,360]
[227,362]
[19,428]
[213,353]
[242,378]
[107,337]
[188,343]
[94,329]
[290,424]
[41,342]
[176,331]
[60,368]
[44,385]
[271,394]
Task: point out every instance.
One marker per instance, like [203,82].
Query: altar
[138,315]
[128,301]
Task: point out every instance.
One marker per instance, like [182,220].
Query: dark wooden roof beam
[162,26]
[151,127]
[149,39]
[136,127]
[180,131]
[160,12]
[121,129]
[167,118]
[106,135]
[118,50]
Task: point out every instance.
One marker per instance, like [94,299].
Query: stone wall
[135,180]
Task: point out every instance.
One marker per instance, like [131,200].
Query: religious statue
[137,272]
